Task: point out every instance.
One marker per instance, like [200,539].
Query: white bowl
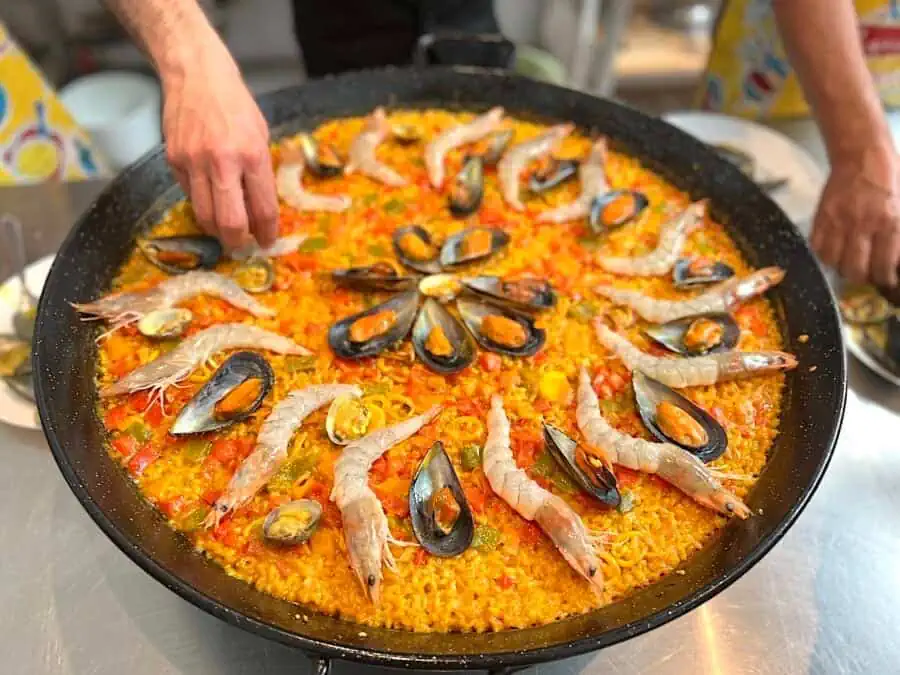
[120,111]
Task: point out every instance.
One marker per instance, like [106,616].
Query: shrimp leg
[592,174]
[462,134]
[552,514]
[289,185]
[696,370]
[671,463]
[365,523]
[722,298]
[271,449]
[362,151]
[170,368]
[672,238]
[513,163]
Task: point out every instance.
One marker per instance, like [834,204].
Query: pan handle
[320,665]
[484,50]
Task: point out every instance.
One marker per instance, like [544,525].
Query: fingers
[262,200]
[855,257]
[827,240]
[201,200]
[886,257]
[225,173]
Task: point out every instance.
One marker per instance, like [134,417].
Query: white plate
[775,154]
[13,409]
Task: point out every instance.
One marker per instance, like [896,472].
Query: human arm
[857,225]
[216,137]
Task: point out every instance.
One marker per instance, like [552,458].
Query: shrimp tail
[736,365]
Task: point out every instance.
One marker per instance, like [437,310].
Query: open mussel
[499,329]
[348,419]
[234,392]
[593,477]
[616,208]
[380,276]
[689,272]
[471,245]
[527,293]
[495,145]
[674,418]
[255,275]
[374,330]
[440,340]
[552,173]
[467,189]
[415,249]
[15,356]
[321,159]
[292,523]
[163,324]
[442,287]
[180,254]
[441,518]
[698,334]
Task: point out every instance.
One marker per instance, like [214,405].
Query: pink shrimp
[513,163]
[362,151]
[457,136]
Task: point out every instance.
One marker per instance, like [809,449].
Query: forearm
[173,33]
[823,43]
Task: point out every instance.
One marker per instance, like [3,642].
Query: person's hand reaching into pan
[217,143]
[857,226]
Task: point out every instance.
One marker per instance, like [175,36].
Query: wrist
[191,50]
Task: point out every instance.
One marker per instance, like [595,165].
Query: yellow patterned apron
[39,140]
[748,72]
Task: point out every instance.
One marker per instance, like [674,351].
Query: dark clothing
[340,35]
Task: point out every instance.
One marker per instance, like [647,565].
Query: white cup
[119,110]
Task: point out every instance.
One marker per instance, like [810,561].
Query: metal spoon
[14,243]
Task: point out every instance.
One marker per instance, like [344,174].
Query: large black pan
[813,404]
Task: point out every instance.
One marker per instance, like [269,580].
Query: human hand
[217,144]
[857,225]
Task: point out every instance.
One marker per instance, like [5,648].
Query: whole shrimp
[672,238]
[271,449]
[282,246]
[671,463]
[122,309]
[365,523]
[362,151]
[513,163]
[592,174]
[171,368]
[694,370]
[554,516]
[289,184]
[722,298]
[457,136]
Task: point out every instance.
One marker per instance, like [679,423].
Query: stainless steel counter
[825,600]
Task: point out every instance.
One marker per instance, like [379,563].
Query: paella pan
[724,554]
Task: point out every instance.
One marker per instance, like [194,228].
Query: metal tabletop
[825,600]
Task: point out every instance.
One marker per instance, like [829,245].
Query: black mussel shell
[199,414]
[431,265]
[456,250]
[599,482]
[404,305]
[381,276]
[180,254]
[689,272]
[527,293]
[467,189]
[473,314]
[435,473]
[558,171]
[432,316]
[649,394]
[601,220]
[293,522]
[671,335]
[321,159]
[497,142]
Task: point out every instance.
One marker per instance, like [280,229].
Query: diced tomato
[505,582]
[539,358]
[172,507]
[115,417]
[468,407]
[225,451]
[542,405]
[491,362]
[141,400]
[317,491]
[154,415]
[476,498]
[144,458]
[420,557]
[531,533]
[626,477]
[284,569]
[379,470]
[300,262]
[395,506]
[125,445]
[211,496]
